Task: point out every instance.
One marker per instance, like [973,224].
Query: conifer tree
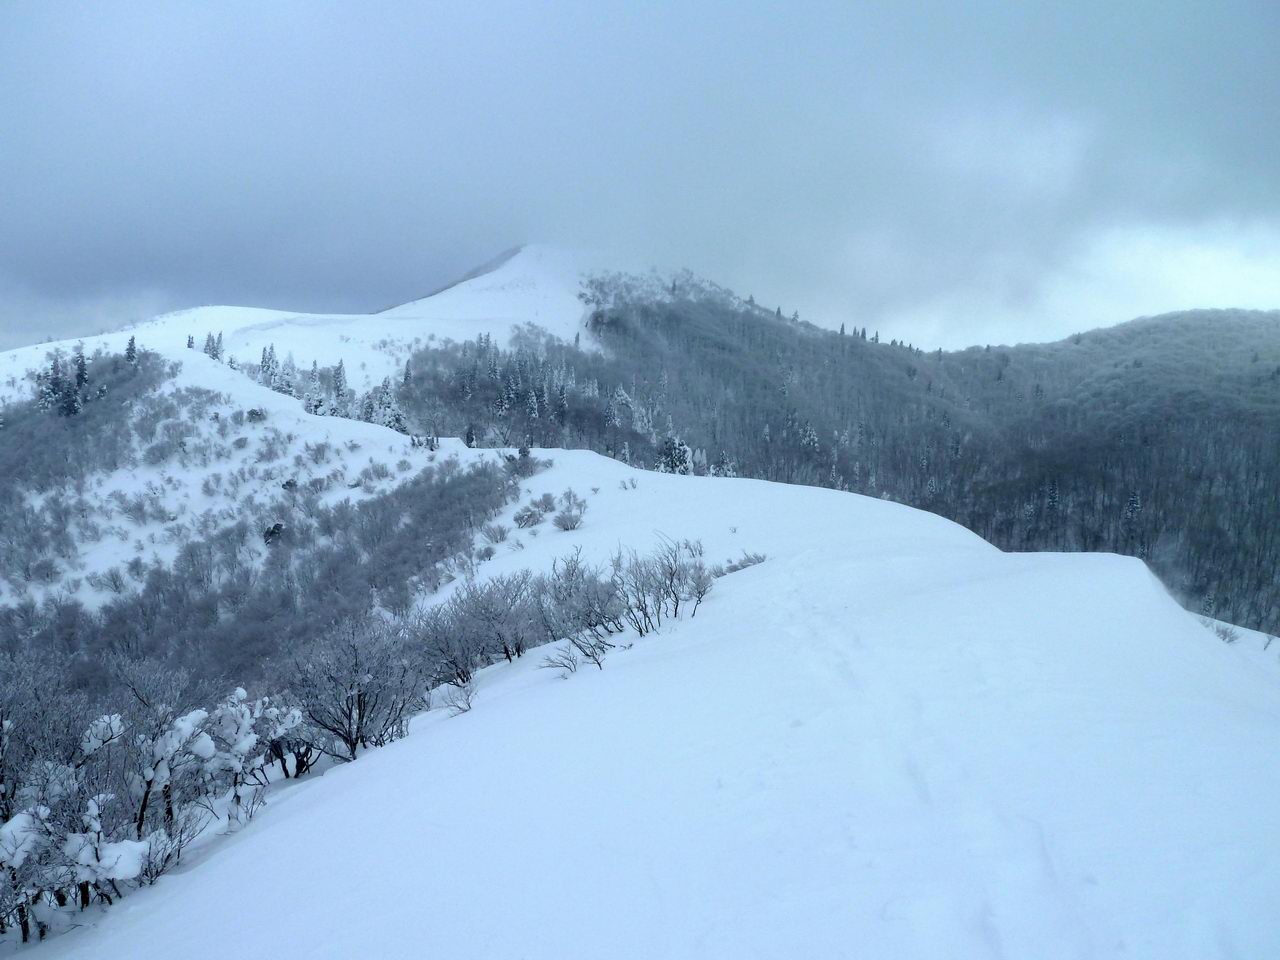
[674,456]
[341,392]
[269,368]
[82,372]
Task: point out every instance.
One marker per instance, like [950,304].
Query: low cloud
[951,173]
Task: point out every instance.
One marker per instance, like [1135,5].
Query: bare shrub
[564,659]
[572,507]
[527,517]
[747,559]
[592,649]
[494,532]
[567,520]
[458,698]
[357,688]
[1226,633]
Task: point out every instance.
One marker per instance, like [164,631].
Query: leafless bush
[567,520]
[1226,633]
[564,659]
[572,507]
[318,452]
[661,585]
[528,517]
[165,846]
[111,579]
[357,688]
[593,649]
[494,532]
[747,559]
[458,698]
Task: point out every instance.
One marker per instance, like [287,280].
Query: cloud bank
[946,173]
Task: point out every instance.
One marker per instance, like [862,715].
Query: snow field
[887,740]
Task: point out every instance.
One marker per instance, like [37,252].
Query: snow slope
[229,469]
[533,284]
[888,740]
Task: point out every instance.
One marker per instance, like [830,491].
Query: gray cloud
[944,171]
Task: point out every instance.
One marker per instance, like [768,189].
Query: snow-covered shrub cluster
[150,464]
[583,604]
[572,509]
[100,796]
[244,594]
[94,804]
[356,688]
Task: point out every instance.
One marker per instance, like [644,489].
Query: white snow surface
[888,740]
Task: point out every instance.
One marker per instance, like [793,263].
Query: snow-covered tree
[673,456]
[341,405]
[269,368]
[314,400]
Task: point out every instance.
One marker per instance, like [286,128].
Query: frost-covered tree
[673,456]
[314,399]
[341,405]
[269,367]
[357,687]
[242,732]
[381,406]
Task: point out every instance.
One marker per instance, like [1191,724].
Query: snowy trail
[887,740]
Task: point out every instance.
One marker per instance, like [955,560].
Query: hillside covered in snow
[886,739]
[456,628]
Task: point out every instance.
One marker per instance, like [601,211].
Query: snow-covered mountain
[531,285]
[225,467]
[886,739]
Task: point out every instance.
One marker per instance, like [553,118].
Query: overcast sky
[946,172]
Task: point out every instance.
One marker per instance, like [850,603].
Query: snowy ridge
[888,739]
[536,285]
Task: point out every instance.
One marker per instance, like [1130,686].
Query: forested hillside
[1156,438]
